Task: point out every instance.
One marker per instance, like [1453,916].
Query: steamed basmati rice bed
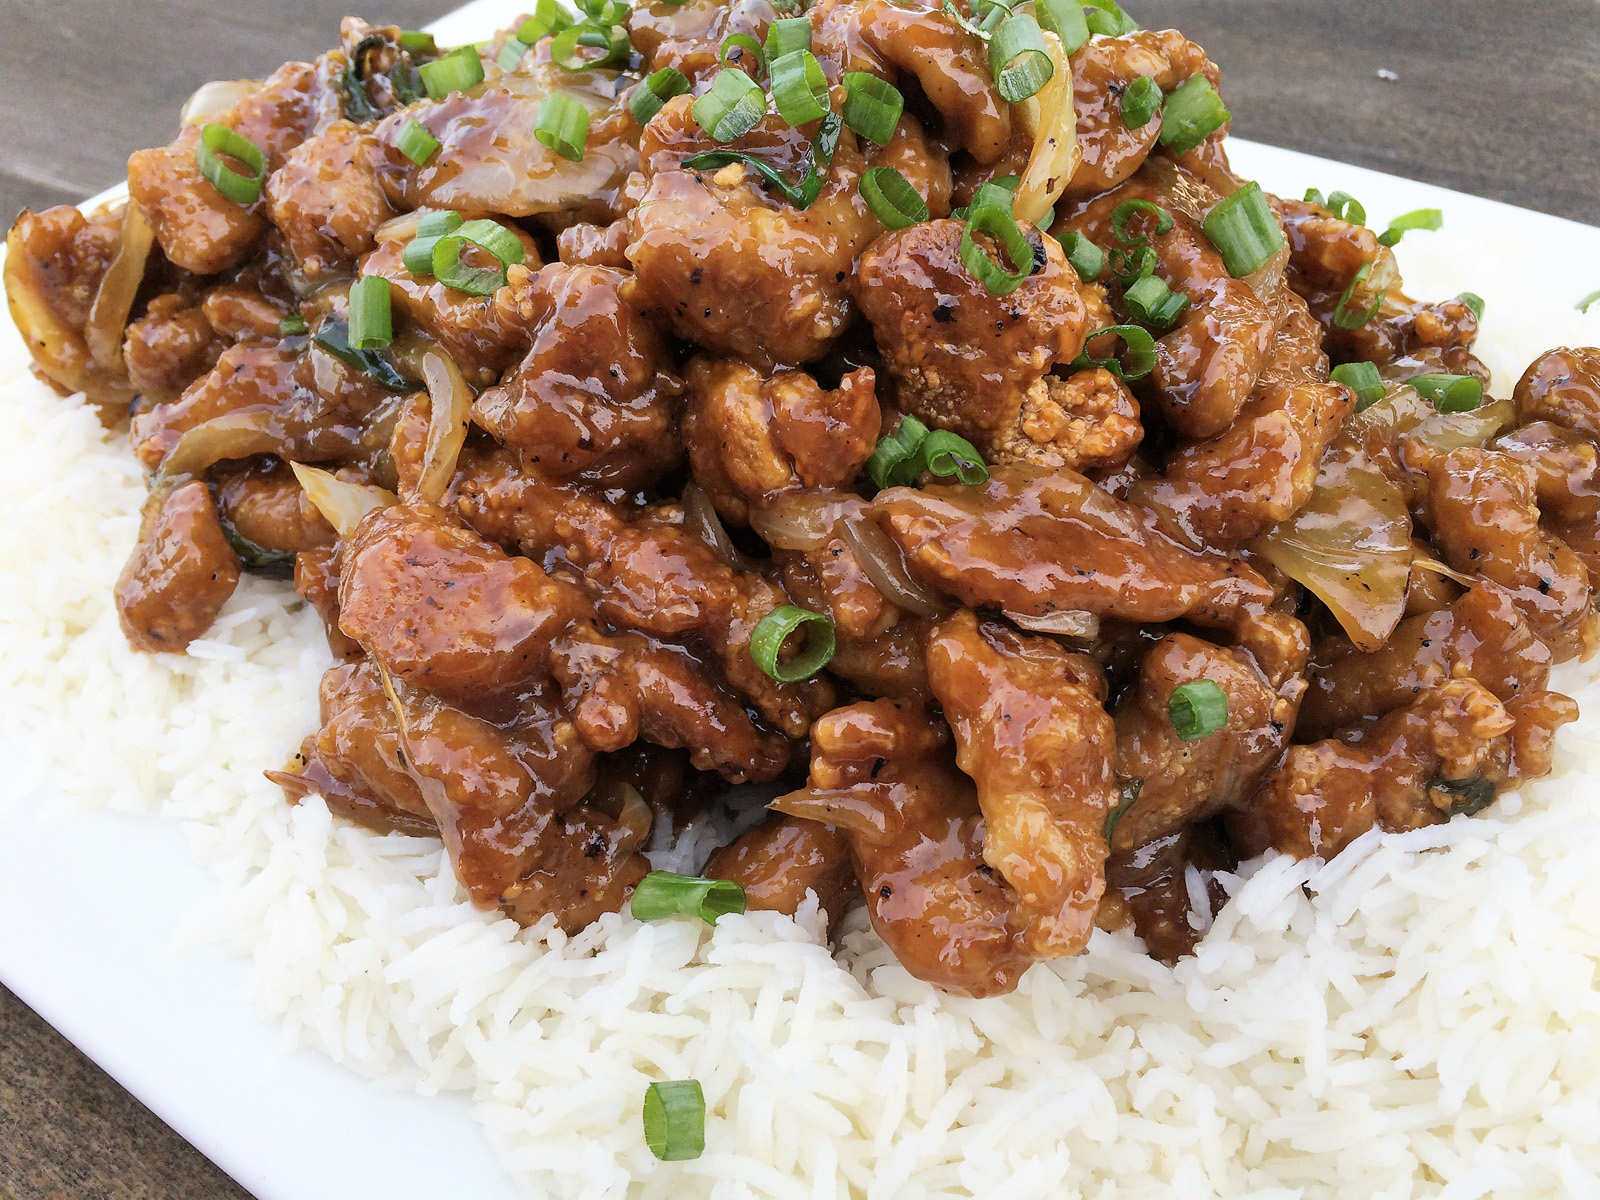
[1420,1017]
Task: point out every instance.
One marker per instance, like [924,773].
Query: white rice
[1418,1018]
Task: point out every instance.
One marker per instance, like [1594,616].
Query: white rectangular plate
[90,904]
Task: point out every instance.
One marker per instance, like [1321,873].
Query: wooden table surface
[1490,98]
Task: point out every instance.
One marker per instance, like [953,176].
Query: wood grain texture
[1487,98]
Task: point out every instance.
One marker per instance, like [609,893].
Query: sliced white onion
[232,435]
[113,299]
[1439,568]
[1071,623]
[700,521]
[450,410]
[881,562]
[1267,279]
[636,817]
[1052,119]
[400,229]
[344,504]
[215,98]
[801,520]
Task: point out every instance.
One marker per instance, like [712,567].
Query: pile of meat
[542,525]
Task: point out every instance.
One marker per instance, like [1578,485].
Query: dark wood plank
[1501,101]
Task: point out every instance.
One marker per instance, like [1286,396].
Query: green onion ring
[1019,59]
[1343,316]
[1140,358]
[1127,210]
[1449,393]
[1197,709]
[218,140]
[1087,259]
[732,107]
[649,97]
[1001,226]
[666,894]
[872,106]
[675,1120]
[1192,113]
[1363,379]
[563,126]
[770,633]
[455,72]
[892,199]
[371,326]
[799,87]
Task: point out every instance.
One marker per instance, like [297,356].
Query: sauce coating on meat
[635,440]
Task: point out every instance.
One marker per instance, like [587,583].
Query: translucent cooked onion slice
[1350,545]
[113,299]
[1071,623]
[801,520]
[344,504]
[700,521]
[881,562]
[211,100]
[1052,119]
[450,409]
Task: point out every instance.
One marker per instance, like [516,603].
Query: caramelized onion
[113,299]
[233,435]
[1071,623]
[1052,119]
[881,562]
[801,520]
[1350,545]
[1404,413]
[211,100]
[700,520]
[344,504]
[449,411]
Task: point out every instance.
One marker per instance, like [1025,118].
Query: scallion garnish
[1087,259]
[809,188]
[675,1120]
[613,39]
[1141,101]
[1130,264]
[787,35]
[664,894]
[416,143]
[799,88]
[732,107]
[563,126]
[1343,315]
[943,453]
[291,325]
[1583,305]
[1019,58]
[892,199]
[894,458]
[1127,210]
[417,257]
[770,633]
[1106,17]
[872,106]
[370,326]
[1192,114]
[1153,303]
[1363,379]
[1128,794]
[1065,19]
[548,17]
[1474,302]
[355,102]
[415,41]
[499,241]
[1139,358]
[334,337]
[511,53]
[999,224]
[1341,204]
[1476,793]
[649,96]
[1422,218]
[219,140]
[455,72]
[1197,709]
[1449,393]
[1244,230]
[739,45]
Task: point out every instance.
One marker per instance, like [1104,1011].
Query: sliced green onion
[770,633]
[417,257]
[1341,204]
[415,41]
[455,72]
[1197,709]
[655,91]
[800,196]
[745,45]
[1019,58]
[787,35]
[357,105]
[1139,359]
[416,143]
[334,337]
[894,458]
[291,325]
[1132,264]
[998,194]
[944,454]
[892,199]
[1065,19]
[1583,305]
[799,87]
[675,1120]
[1141,101]
[1192,114]
[1108,18]
[563,126]
[1153,303]
[1449,393]
[499,241]
[1347,318]
[872,106]
[1363,379]
[1476,794]
[1244,230]
[1128,209]
[732,107]
[1001,226]
[1422,218]
[1129,792]
[1473,301]
[664,894]
[511,53]
[370,326]
[1087,259]
[219,140]
[548,17]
